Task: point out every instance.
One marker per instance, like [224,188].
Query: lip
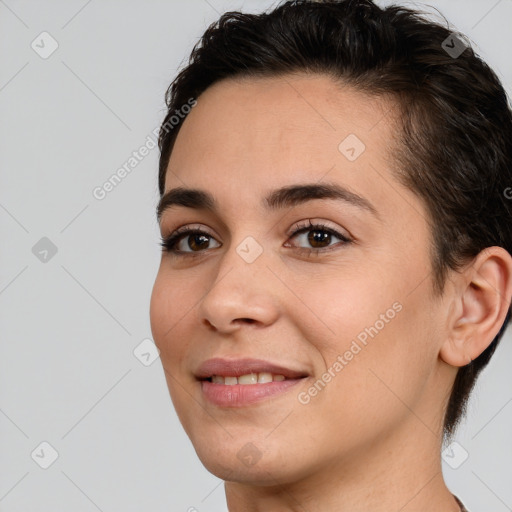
[240,395]
[238,367]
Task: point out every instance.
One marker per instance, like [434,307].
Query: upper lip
[238,367]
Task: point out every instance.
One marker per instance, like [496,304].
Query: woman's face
[356,317]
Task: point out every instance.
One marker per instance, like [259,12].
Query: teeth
[250,378]
[265,377]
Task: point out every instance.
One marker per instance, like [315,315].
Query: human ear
[481,303]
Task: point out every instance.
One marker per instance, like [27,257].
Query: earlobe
[482,305]
[454,352]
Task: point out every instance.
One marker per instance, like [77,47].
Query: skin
[371,438]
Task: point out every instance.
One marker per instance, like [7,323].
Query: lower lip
[238,395]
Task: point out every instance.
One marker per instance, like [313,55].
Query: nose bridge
[241,288]
[245,258]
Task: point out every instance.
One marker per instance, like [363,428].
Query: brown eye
[317,237]
[196,242]
[187,241]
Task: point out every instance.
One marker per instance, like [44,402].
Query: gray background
[69,325]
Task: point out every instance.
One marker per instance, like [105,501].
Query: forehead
[247,136]
[290,118]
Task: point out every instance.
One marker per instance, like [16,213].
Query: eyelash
[169,243]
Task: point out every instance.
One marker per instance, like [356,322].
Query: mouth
[247,379]
[245,371]
[243,382]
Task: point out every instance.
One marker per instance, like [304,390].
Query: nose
[240,292]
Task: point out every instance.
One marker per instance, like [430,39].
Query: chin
[263,474]
[238,459]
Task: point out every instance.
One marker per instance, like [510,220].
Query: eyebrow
[278,199]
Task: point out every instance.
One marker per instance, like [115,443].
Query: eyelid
[188,228]
[318,223]
[170,242]
[319,226]
[182,232]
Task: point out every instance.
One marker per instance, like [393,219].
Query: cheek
[159,311]
[387,358]
[342,304]
[375,336]
[168,313]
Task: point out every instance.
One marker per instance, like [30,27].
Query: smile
[249,378]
